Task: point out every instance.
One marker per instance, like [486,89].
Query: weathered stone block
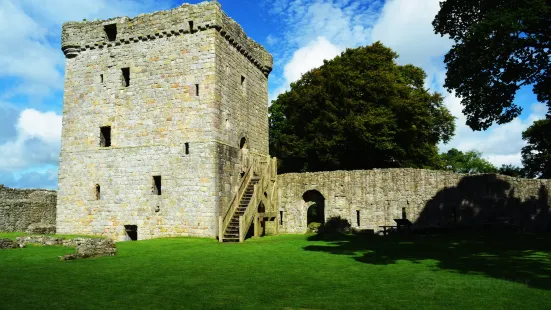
[40,228]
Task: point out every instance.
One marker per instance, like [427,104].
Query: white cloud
[406,27]
[36,143]
[46,126]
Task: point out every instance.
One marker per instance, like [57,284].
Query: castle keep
[165,133]
[165,126]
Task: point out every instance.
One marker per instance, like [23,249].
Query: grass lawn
[503,271]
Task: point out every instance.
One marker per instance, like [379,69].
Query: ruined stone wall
[21,207]
[169,122]
[428,198]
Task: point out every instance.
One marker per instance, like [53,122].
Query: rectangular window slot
[111,31]
[191,26]
[404,215]
[196,89]
[105,136]
[358,217]
[98,192]
[125,77]
[186,145]
[243,81]
[280,217]
[157,185]
[101,78]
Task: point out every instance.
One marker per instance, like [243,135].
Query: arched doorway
[316,207]
[243,143]
[244,155]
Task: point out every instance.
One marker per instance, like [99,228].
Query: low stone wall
[85,247]
[372,198]
[20,208]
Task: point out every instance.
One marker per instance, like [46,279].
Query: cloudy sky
[299,33]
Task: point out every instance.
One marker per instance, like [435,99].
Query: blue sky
[299,33]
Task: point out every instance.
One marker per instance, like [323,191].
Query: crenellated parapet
[184,20]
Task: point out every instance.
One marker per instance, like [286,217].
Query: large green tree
[359,111]
[500,45]
[469,162]
[536,155]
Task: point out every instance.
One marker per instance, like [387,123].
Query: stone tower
[157,112]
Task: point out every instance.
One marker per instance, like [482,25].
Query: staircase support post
[277,223]
[241,229]
[256,226]
[220,229]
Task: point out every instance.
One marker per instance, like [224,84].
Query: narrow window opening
[196,89]
[125,77]
[280,217]
[242,81]
[187,148]
[101,78]
[157,185]
[111,31]
[98,192]
[105,136]
[404,215]
[131,231]
[358,217]
[191,26]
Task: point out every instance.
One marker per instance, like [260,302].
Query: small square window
[105,136]
[111,31]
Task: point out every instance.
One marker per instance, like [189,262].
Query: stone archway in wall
[315,211]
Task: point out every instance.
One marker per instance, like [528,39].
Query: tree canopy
[359,111]
[500,45]
[469,162]
[536,155]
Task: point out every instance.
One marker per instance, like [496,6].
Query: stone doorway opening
[131,231]
[315,214]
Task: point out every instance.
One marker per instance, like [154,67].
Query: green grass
[501,271]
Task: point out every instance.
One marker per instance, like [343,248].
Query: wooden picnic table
[387,228]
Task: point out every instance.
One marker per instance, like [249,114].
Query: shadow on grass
[516,257]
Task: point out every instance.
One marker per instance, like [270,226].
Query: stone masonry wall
[428,198]
[21,207]
[176,120]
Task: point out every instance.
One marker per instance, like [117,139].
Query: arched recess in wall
[316,206]
[243,143]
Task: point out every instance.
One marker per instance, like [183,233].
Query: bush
[335,225]
[314,227]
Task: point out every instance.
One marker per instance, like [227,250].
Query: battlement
[184,20]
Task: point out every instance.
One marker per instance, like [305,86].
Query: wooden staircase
[232,232]
[259,185]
